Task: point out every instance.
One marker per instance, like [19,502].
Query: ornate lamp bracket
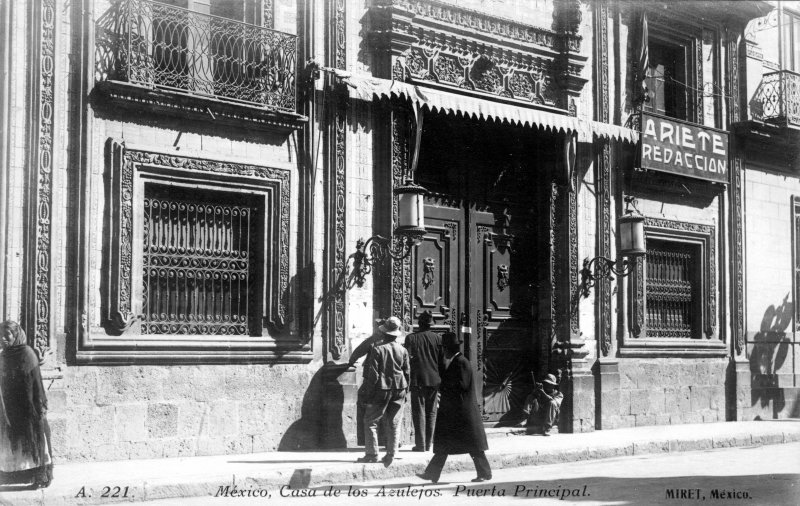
[599,268]
[376,250]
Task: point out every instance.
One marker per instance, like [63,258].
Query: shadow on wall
[770,348]
[321,414]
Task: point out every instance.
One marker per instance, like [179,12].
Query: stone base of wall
[137,412]
[133,412]
[665,391]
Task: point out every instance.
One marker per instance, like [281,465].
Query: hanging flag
[644,59]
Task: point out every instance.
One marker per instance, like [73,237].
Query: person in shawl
[25,451]
[459,428]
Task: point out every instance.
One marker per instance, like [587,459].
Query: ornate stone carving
[337,182]
[124,165]
[734,115]
[469,50]
[568,16]
[490,26]
[401,269]
[39,321]
[268,9]
[452,231]
[603,176]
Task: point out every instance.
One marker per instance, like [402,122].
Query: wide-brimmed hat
[392,326]
[550,380]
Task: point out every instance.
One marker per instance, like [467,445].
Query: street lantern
[631,234]
[411,213]
[632,246]
[408,234]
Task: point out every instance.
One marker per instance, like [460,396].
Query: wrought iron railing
[777,98]
[164,46]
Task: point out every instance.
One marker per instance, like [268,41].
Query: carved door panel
[501,284]
[438,268]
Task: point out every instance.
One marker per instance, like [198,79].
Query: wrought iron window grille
[198,265]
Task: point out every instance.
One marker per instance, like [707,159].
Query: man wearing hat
[542,405]
[425,352]
[386,379]
[459,428]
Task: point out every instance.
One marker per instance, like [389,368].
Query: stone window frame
[128,169]
[635,341]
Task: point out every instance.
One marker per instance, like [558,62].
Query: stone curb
[328,474]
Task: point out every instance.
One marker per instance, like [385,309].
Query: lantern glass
[411,211]
[631,229]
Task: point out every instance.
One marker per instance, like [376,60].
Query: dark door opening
[480,267]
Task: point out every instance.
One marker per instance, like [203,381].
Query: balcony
[777,99]
[162,48]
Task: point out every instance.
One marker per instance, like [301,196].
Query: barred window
[200,262]
[673,305]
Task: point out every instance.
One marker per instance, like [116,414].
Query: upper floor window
[790,41]
[667,79]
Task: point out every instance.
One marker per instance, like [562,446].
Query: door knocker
[502,277]
[428,268]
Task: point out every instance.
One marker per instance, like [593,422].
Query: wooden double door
[475,271]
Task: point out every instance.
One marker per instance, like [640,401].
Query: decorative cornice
[492,27]
[115,95]
[475,52]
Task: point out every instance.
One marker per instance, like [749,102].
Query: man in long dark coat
[459,428]
[425,351]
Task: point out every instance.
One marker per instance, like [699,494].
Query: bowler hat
[550,380]
[392,326]
[450,339]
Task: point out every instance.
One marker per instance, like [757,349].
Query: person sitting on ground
[386,378]
[425,351]
[542,406]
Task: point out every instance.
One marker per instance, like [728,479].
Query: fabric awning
[367,87]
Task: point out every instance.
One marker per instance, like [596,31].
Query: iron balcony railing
[169,47]
[777,98]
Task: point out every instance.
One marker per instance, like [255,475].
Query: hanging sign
[669,145]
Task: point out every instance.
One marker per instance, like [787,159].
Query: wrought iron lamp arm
[602,267]
[375,250]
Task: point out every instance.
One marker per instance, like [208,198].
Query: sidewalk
[203,476]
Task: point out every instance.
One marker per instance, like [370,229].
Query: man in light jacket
[386,379]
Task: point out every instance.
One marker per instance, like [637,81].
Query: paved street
[768,475]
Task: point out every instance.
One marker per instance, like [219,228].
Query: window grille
[198,262]
[672,295]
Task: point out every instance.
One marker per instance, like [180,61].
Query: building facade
[185,185]
[768,136]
